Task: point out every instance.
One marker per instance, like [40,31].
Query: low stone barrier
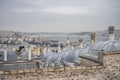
[25,71]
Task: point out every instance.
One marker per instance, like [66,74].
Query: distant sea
[63,38]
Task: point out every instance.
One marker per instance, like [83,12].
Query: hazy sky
[59,15]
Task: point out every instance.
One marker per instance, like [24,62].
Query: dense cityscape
[59,40]
[43,54]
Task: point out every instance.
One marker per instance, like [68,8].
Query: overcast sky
[59,15]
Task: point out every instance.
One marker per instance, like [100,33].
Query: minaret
[29,52]
[80,42]
[111,32]
[92,38]
[5,53]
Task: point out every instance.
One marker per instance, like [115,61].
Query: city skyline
[58,16]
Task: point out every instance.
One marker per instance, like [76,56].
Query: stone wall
[88,62]
[17,66]
[112,63]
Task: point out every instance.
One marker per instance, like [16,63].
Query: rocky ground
[111,71]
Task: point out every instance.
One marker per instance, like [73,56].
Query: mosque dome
[11,55]
[24,55]
[65,58]
[106,46]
